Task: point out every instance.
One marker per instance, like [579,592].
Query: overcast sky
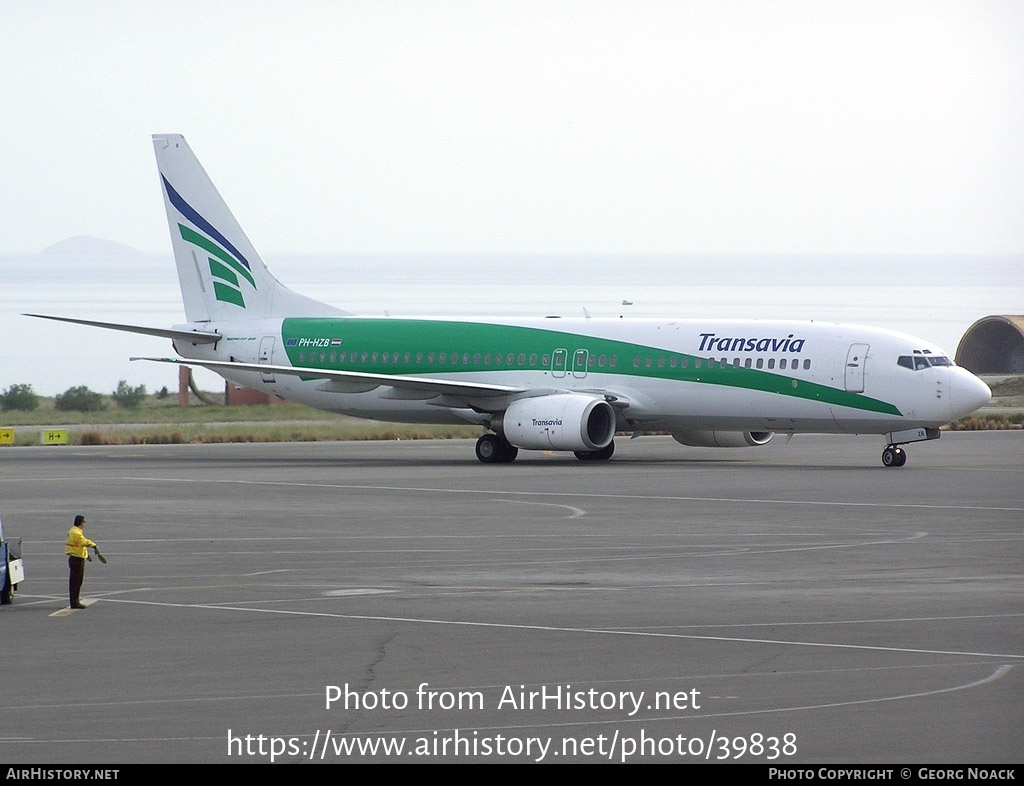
[523,126]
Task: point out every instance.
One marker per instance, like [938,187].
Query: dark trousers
[76,575]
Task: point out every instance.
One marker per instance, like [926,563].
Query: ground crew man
[77,551]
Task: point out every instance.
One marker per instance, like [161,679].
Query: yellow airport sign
[55,436]
[6,436]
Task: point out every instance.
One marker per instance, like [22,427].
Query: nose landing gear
[894,456]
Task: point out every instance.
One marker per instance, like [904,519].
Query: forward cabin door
[855,360]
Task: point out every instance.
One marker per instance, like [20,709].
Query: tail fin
[222,276]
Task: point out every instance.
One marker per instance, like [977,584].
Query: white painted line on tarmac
[500,493]
[576,512]
[563,629]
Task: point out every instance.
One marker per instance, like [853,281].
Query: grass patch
[163,422]
[993,421]
[345,429]
[1014,386]
[155,410]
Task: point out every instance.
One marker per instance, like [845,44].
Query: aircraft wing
[192,336]
[360,381]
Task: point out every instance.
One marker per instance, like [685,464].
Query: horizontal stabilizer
[192,336]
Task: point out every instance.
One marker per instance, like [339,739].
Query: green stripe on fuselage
[473,342]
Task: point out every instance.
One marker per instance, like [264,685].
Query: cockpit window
[920,361]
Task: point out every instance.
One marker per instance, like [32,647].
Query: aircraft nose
[968,392]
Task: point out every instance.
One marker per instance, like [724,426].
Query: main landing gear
[603,454]
[495,449]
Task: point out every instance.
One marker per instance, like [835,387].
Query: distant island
[88,245]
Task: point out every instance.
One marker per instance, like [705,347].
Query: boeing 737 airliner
[540,384]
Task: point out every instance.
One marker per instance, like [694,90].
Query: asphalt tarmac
[399,601]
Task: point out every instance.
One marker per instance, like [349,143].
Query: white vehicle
[12,569]
[541,384]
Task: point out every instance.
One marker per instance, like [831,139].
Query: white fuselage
[671,374]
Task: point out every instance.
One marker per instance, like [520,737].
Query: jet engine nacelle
[723,439]
[565,421]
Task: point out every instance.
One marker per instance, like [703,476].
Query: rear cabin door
[267,356]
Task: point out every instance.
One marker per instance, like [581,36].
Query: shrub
[128,397]
[79,399]
[19,397]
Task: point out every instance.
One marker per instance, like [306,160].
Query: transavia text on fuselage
[709,342]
